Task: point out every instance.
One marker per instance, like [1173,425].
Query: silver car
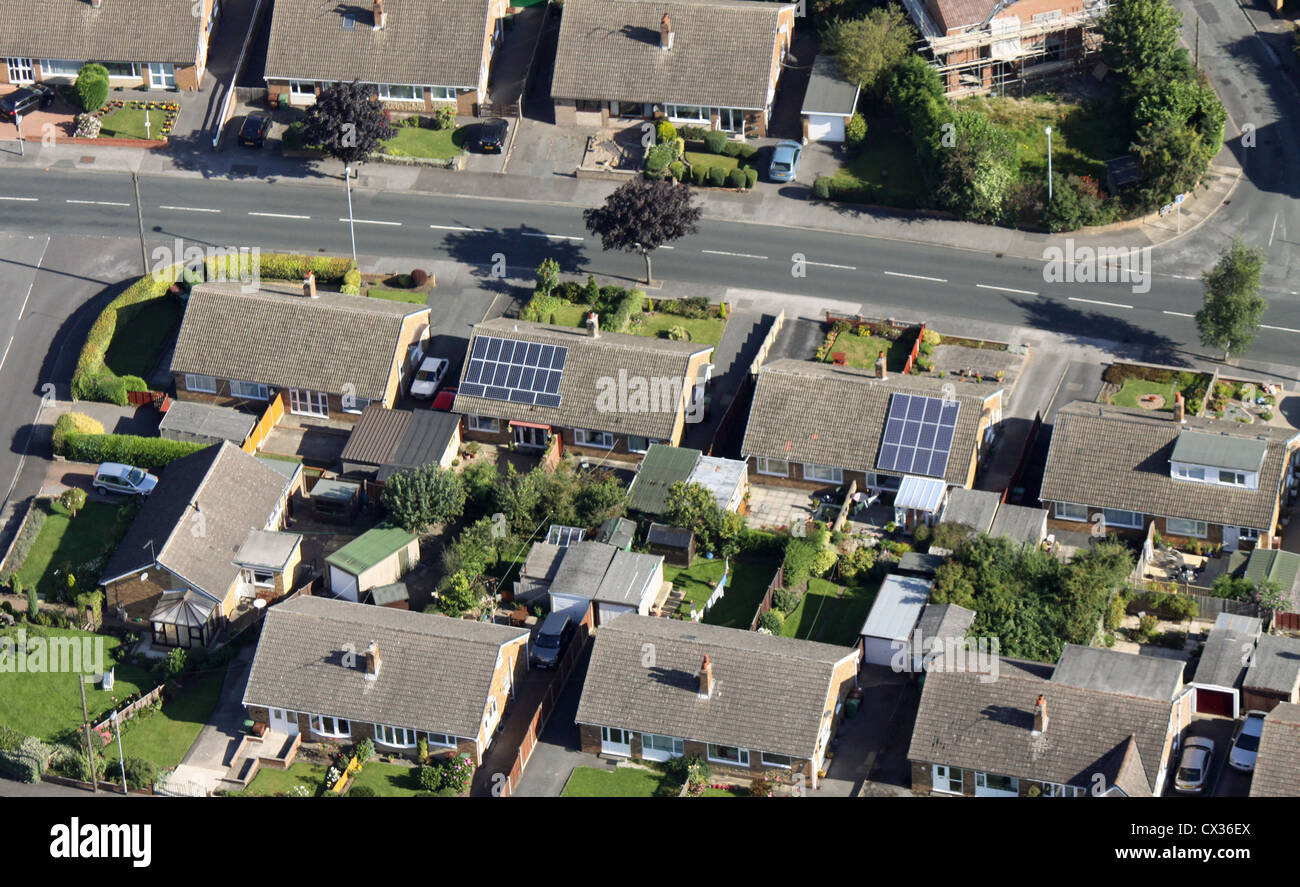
[1245,747]
[1194,765]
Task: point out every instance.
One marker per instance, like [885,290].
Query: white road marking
[1178,313]
[98,202]
[916,277]
[1281,329]
[371,222]
[1274,231]
[829,265]
[1099,302]
[719,252]
[190,209]
[1006,289]
[24,199]
[459,228]
[281,216]
[550,236]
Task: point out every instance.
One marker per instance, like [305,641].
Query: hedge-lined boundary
[149,453]
[93,380]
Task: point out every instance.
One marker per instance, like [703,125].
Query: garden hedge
[736,178]
[74,423]
[715,141]
[717,176]
[27,763]
[149,453]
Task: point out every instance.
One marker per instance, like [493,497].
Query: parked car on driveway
[551,640]
[254,131]
[428,377]
[492,135]
[26,100]
[1245,747]
[785,161]
[114,477]
[444,399]
[1194,765]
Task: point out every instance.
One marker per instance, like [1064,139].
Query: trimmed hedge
[736,178]
[715,141]
[751,177]
[74,423]
[149,453]
[717,176]
[628,306]
[27,763]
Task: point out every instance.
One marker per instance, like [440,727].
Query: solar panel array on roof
[918,435]
[513,371]
[565,536]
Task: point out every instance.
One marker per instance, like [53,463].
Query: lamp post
[18,124]
[120,761]
[1048,130]
[352,229]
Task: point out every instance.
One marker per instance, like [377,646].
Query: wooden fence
[1023,462]
[274,413]
[130,711]
[766,603]
[1208,607]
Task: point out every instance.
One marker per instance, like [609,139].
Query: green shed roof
[1269,563]
[370,548]
[1220,450]
[661,467]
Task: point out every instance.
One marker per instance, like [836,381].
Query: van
[551,640]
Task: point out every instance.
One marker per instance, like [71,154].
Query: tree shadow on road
[1087,327]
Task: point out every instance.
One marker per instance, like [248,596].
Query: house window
[587,104]
[308,403]
[770,760]
[200,384]
[687,112]
[602,439]
[1117,518]
[1056,790]
[774,467]
[21,71]
[442,740]
[1070,511]
[483,423]
[993,784]
[657,747]
[823,473]
[395,92]
[1235,478]
[1249,534]
[355,405]
[1189,472]
[251,390]
[394,737]
[1179,526]
[121,69]
[323,725]
[59,68]
[442,93]
[728,754]
[302,88]
[636,444]
[260,578]
[162,75]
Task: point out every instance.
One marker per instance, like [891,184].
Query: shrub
[677,170]
[657,159]
[931,338]
[822,188]
[699,176]
[751,177]
[365,750]
[419,277]
[692,133]
[761,788]
[800,556]
[731,149]
[785,600]
[629,305]
[772,621]
[78,423]
[717,176]
[823,561]
[736,178]
[88,126]
[92,86]
[746,151]
[665,131]
[149,453]
[140,773]
[361,791]
[1114,611]
[444,117]
[351,283]
[715,141]
[430,779]
[855,131]
[678,333]
[69,762]
[861,560]
[26,763]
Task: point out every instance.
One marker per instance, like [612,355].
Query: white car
[114,477]
[1246,746]
[1194,766]
[428,377]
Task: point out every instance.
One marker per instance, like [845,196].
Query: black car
[254,131]
[26,100]
[492,135]
[552,638]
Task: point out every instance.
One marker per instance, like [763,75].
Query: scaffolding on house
[1001,52]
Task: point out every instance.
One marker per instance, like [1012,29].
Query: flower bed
[130,119]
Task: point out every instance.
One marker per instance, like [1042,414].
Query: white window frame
[764,465]
[1057,790]
[358,407]
[395,737]
[648,442]
[20,70]
[305,402]
[60,67]
[133,74]
[1133,523]
[673,747]
[386,93]
[742,755]
[1248,533]
[824,473]
[250,576]
[766,760]
[702,115]
[1220,472]
[317,724]
[1199,528]
[602,440]
[249,390]
[1063,515]
[1189,472]
[443,93]
[162,75]
[442,740]
[981,782]
[302,88]
[194,382]
[483,423]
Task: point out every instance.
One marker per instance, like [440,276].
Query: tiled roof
[768,692]
[603,572]
[119,31]
[592,368]
[805,411]
[721,55]
[278,337]
[961,13]
[1275,666]
[972,508]
[1116,457]
[1222,663]
[424,441]
[426,42]
[1276,774]
[199,515]
[435,671]
[985,725]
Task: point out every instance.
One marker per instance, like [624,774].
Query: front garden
[1154,388]
[356,771]
[126,119]
[703,157]
[53,545]
[647,779]
[429,138]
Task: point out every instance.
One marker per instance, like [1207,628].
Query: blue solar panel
[918,435]
[514,371]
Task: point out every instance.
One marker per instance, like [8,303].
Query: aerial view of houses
[861,399]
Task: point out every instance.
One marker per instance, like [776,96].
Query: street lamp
[1048,130]
[121,762]
[352,229]
[18,124]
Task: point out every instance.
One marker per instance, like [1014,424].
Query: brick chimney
[706,677]
[665,33]
[373,662]
[381,17]
[1040,715]
[880,367]
[1180,408]
[593,325]
[95,4]
[309,285]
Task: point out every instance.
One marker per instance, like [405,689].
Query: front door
[946,779]
[309,403]
[284,721]
[1231,536]
[20,71]
[533,438]
[614,741]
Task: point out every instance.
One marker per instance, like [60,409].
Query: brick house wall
[361,731]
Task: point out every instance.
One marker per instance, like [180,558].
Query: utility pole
[352,228]
[121,762]
[85,723]
[1048,130]
[139,215]
[1198,41]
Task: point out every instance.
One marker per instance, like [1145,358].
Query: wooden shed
[675,544]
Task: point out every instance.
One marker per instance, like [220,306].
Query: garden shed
[829,101]
[395,596]
[895,613]
[380,556]
[675,544]
[336,501]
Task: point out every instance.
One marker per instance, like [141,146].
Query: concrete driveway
[560,749]
[873,744]
[1222,778]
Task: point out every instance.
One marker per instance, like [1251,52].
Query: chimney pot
[593,324]
[381,17]
[1180,408]
[309,285]
[373,662]
[96,3]
[1040,715]
[706,677]
[665,33]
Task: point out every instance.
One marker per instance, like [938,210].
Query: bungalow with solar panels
[814,425]
[606,395]
[1207,479]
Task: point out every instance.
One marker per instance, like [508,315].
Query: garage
[1222,666]
[606,611]
[895,613]
[1222,703]
[829,102]
[343,583]
[573,605]
[379,556]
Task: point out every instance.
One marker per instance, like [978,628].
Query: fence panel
[766,603]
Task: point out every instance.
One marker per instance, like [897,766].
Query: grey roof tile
[1276,772]
[1276,665]
[116,32]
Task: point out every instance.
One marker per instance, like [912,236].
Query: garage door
[573,605]
[1214,702]
[877,651]
[606,612]
[343,584]
[823,128]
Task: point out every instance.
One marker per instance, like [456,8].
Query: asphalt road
[909,279]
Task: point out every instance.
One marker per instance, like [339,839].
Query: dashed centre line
[1178,313]
[280,216]
[460,228]
[97,202]
[830,265]
[1099,302]
[719,252]
[189,209]
[370,222]
[1280,329]
[1005,289]
[916,277]
[551,236]
[22,199]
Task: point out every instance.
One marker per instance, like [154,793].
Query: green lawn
[829,614]
[166,735]
[414,298]
[706,160]
[745,589]
[272,781]
[1133,389]
[625,782]
[437,144]
[128,123]
[862,351]
[884,170]
[47,704]
[389,780]
[735,792]
[142,332]
[693,580]
[66,542]
[654,324]
[1084,137]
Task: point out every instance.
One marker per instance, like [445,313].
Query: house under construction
[982,46]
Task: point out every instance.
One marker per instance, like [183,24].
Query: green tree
[1140,37]
[1233,307]
[692,506]
[868,49]
[73,499]
[456,594]
[643,215]
[428,495]
[33,602]
[346,122]
[92,86]
[978,170]
[548,277]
